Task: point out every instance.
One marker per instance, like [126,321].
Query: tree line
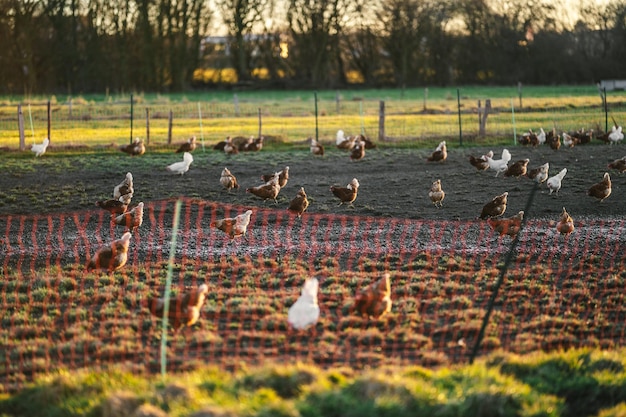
[86,46]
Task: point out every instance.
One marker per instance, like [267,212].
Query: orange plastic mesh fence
[559,292]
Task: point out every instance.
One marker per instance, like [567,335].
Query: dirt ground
[394,182]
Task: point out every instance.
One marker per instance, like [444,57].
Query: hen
[602,189]
[182,166]
[541,136]
[137,148]
[436,194]
[569,140]
[131,219]
[554,183]
[619,165]
[40,148]
[374,300]
[440,154]
[124,189]
[267,191]
[234,226]
[305,311]
[480,163]
[368,142]
[299,204]
[344,142]
[228,180]
[495,207]
[529,138]
[539,174]
[616,134]
[252,145]
[517,169]
[283,177]
[499,165]
[112,256]
[183,310]
[358,150]
[509,226]
[554,141]
[348,193]
[565,226]
[113,206]
[229,147]
[316,147]
[219,146]
[188,146]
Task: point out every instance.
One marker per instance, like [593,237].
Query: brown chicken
[234,226]
[229,147]
[228,180]
[602,189]
[188,146]
[529,138]
[131,219]
[509,226]
[252,145]
[267,191]
[283,177]
[539,174]
[358,151]
[184,310]
[316,147]
[368,142]
[124,189]
[374,300]
[554,142]
[113,206]
[480,163]
[112,256]
[299,204]
[495,207]
[517,169]
[344,142]
[436,194]
[440,154]
[565,226]
[619,165]
[136,148]
[348,193]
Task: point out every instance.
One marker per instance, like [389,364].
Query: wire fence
[559,292]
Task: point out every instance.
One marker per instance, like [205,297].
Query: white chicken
[40,148]
[305,311]
[554,183]
[541,136]
[344,142]
[616,135]
[182,166]
[499,165]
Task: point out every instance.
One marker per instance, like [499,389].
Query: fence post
[458,104]
[425,98]
[316,128]
[49,120]
[170,122]
[131,118]
[606,110]
[519,93]
[20,126]
[260,124]
[513,120]
[381,121]
[337,101]
[201,130]
[236,101]
[482,117]
[147,126]
[69,104]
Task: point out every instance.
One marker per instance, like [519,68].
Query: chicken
[137,148]
[348,193]
[499,165]
[495,207]
[299,204]
[480,163]
[305,311]
[541,136]
[440,154]
[436,194]
[368,142]
[283,177]
[40,148]
[554,142]
[243,146]
[554,183]
[188,146]
[182,166]
[113,206]
[234,226]
[252,145]
[344,142]
[539,174]
[316,147]
[229,147]
[565,226]
[616,134]
[529,138]
[602,189]
[184,310]
[358,151]
[267,191]
[509,226]
[569,140]
[219,146]
[112,256]
[619,165]
[374,300]
[124,189]
[517,169]
[228,180]
[131,219]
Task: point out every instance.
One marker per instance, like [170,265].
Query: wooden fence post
[259,122]
[482,117]
[49,120]
[381,121]
[236,102]
[147,126]
[20,127]
[169,128]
